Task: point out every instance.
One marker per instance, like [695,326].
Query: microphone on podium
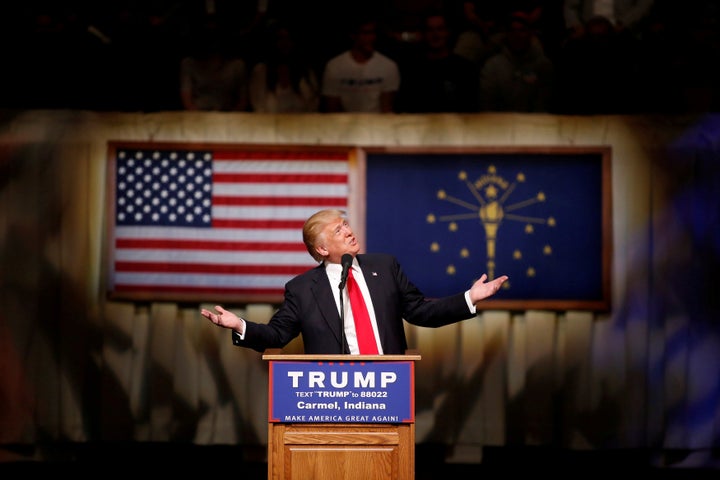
[346,262]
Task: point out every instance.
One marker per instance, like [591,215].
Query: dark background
[124,55]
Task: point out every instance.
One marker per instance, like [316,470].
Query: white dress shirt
[334,271]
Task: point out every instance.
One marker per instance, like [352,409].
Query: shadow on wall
[48,341]
[54,385]
[682,305]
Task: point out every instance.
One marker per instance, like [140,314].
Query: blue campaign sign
[342,392]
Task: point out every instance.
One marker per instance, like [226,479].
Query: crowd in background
[402,56]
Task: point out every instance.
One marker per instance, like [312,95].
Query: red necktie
[363,327]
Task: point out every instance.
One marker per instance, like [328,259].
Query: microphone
[346,262]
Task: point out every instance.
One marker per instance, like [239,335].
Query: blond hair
[314,228]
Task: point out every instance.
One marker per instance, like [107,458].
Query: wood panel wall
[76,367]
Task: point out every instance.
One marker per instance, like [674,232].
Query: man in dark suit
[311,306]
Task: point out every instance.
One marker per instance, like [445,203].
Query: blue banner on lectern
[342,392]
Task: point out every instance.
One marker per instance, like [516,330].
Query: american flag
[217,223]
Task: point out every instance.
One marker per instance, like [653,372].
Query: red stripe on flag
[210,268]
[278,178]
[284,201]
[278,155]
[170,244]
[177,289]
[282,224]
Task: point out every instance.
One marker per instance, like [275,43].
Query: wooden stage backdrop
[78,367]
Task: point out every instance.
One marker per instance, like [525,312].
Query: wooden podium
[356,434]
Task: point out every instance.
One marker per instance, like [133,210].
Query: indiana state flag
[449,218]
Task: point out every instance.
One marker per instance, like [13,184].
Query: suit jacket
[309,309]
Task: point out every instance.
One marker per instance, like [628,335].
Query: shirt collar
[336,268]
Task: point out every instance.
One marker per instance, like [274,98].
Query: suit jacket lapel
[326,302]
[375,287]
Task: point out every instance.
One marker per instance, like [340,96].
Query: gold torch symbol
[491,214]
[491,192]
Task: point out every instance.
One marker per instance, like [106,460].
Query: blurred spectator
[142,54]
[599,72]
[624,15]
[482,25]
[283,81]
[599,61]
[55,61]
[696,57]
[519,78]
[213,76]
[259,19]
[546,19]
[661,50]
[437,79]
[124,55]
[403,26]
[479,23]
[268,12]
[360,79]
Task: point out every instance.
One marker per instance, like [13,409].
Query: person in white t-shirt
[361,79]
